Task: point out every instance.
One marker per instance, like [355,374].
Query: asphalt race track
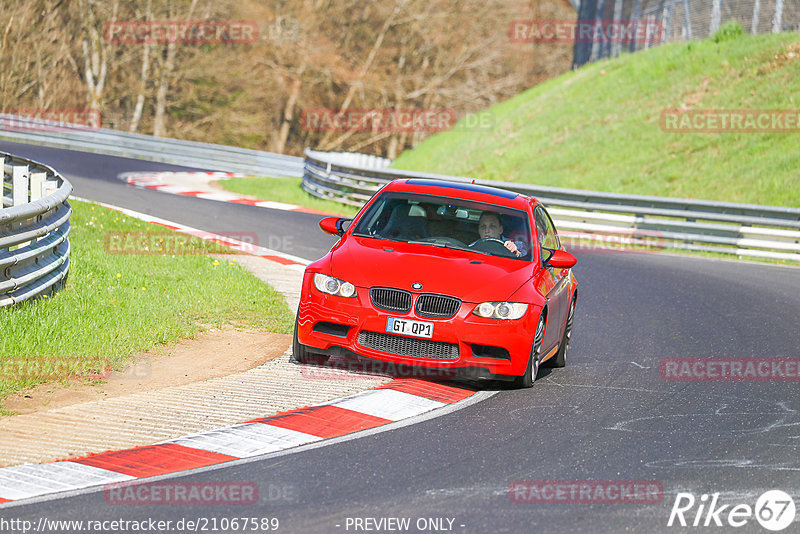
[94,176]
[608,416]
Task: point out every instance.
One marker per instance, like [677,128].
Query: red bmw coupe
[456,277]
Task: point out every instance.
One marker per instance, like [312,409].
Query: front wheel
[560,359]
[527,378]
[300,352]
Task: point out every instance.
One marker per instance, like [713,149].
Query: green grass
[599,127]
[286,190]
[115,305]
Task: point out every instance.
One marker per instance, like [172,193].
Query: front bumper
[463,345]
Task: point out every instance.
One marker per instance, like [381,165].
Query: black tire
[300,352]
[529,376]
[560,359]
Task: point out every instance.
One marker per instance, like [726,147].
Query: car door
[558,294]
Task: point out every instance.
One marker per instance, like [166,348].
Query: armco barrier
[192,154]
[34,229]
[740,229]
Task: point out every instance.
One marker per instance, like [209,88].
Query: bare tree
[337,54]
[144,76]
[164,79]
[95,53]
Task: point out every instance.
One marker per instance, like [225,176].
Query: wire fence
[675,20]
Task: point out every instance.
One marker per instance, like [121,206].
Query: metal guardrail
[34,229]
[162,149]
[610,219]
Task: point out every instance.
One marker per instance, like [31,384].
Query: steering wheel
[493,246]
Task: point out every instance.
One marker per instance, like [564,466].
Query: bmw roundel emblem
[416,285]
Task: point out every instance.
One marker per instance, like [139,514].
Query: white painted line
[276,205]
[144,182]
[176,189]
[31,480]
[387,404]
[244,441]
[181,183]
[222,197]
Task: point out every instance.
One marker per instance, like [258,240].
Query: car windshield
[448,222]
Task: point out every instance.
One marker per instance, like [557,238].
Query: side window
[546,232]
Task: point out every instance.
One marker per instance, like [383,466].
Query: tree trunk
[288,112]
[159,119]
[388,23]
[95,60]
[137,110]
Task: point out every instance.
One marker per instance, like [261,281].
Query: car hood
[472,277]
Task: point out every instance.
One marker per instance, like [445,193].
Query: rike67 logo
[774,510]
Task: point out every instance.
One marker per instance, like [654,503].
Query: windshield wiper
[457,247]
[447,245]
[431,243]
[385,238]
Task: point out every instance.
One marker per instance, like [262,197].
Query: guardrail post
[2,181]
[37,183]
[49,187]
[20,190]
[19,184]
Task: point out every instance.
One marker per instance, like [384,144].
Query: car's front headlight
[334,286]
[501,310]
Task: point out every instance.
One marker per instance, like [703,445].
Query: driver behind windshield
[490,227]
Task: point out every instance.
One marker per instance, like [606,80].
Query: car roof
[465,190]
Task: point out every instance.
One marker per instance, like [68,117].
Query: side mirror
[561,259]
[334,225]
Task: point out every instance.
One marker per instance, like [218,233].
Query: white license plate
[407,327]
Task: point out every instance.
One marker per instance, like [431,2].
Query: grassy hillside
[599,127]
